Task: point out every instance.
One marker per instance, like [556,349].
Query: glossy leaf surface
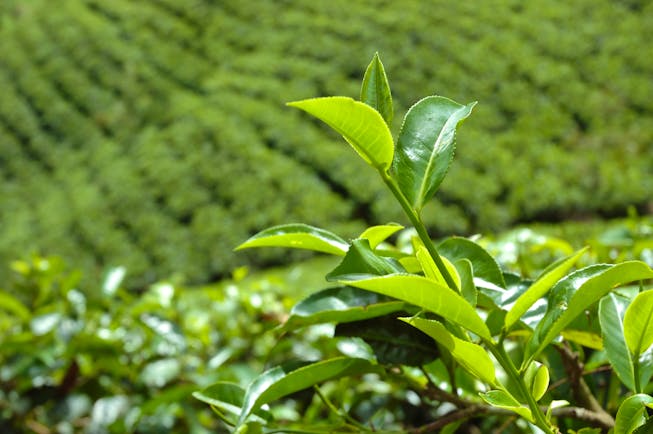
[539,288]
[470,356]
[362,126]
[425,147]
[298,236]
[283,380]
[227,399]
[375,90]
[575,293]
[394,342]
[361,261]
[429,295]
[339,305]
[484,265]
[612,309]
[632,413]
[638,323]
[501,399]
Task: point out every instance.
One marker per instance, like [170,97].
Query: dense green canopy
[153,133]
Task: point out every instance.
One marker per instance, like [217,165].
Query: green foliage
[498,340]
[141,132]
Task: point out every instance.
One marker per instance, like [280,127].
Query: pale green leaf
[298,236]
[638,323]
[631,413]
[612,309]
[10,303]
[375,90]
[470,356]
[539,288]
[284,380]
[362,126]
[430,295]
[425,147]
[501,399]
[227,399]
[432,271]
[377,234]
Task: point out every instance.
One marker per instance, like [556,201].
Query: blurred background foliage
[152,133]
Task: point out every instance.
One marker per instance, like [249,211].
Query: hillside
[153,133]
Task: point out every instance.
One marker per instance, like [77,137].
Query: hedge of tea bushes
[152,133]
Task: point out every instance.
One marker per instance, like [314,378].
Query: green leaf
[484,265]
[361,126]
[298,236]
[467,287]
[638,323]
[377,234]
[631,413]
[375,90]
[393,342]
[286,379]
[227,399]
[470,356]
[361,261]
[578,291]
[540,287]
[341,304]
[540,382]
[612,309]
[431,270]
[430,295]
[13,305]
[501,399]
[425,147]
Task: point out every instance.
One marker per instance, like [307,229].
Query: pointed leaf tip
[375,90]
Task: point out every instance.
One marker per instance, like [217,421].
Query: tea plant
[461,336]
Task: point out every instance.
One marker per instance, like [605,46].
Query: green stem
[636,375]
[339,413]
[416,221]
[507,364]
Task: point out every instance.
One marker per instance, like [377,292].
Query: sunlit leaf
[470,356]
[540,287]
[227,399]
[432,271]
[341,304]
[467,287]
[430,295]
[286,379]
[612,309]
[377,234]
[425,147]
[585,338]
[12,304]
[375,90]
[362,126]
[638,323]
[632,413]
[298,236]
[501,399]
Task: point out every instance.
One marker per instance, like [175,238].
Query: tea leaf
[638,323]
[298,236]
[611,313]
[375,90]
[361,126]
[430,295]
[501,399]
[631,413]
[425,147]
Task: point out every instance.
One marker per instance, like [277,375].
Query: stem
[511,370]
[416,221]
[339,413]
[636,375]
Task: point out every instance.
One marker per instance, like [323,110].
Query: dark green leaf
[362,127]
[394,342]
[375,90]
[284,380]
[612,309]
[361,261]
[298,236]
[484,265]
[341,304]
[425,147]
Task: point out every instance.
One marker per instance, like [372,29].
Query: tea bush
[141,132]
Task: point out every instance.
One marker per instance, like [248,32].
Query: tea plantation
[153,133]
